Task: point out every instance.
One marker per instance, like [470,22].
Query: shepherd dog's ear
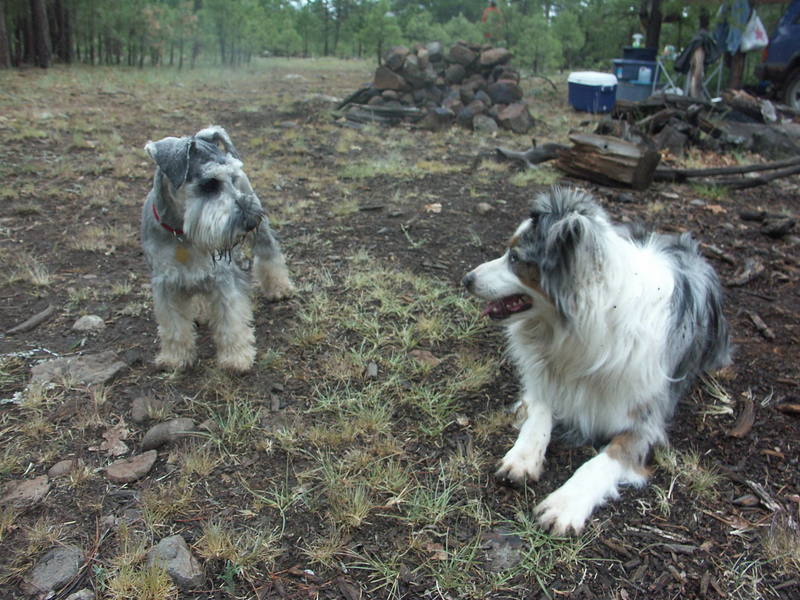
[172,156]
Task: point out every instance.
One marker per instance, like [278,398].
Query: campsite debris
[744,423]
[762,327]
[33,322]
[534,155]
[469,84]
[609,161]
[751,269]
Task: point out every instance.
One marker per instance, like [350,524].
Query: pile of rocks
[469,84]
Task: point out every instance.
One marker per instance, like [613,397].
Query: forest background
[544,35]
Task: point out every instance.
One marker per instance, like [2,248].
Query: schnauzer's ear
[216,134]
[172,156]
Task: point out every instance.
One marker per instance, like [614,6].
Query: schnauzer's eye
[210,186]
[535,219]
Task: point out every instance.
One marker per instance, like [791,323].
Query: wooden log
[667,174]
[609,161]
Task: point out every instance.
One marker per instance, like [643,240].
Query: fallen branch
[33,322]
[679,175]
[533,156]
[762,327]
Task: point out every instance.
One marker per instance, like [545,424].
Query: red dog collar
[164,225]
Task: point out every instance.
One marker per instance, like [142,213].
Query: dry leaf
[715,208]
[425,357]
[436,550]
[113,444]
[435,207]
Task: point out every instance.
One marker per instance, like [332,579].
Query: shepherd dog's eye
[513,257]
[210,186]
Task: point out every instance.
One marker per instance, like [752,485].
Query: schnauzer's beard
[219,225]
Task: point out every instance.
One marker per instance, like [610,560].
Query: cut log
[535,155]
[609,161]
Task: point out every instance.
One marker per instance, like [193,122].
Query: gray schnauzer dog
[200,208]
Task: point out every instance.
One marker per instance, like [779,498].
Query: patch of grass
[541,175]
[687,467]
[781,544]
[25,268]
[716,193]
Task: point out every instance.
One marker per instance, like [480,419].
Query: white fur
[598,357]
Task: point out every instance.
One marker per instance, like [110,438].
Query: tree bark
[41,33]
[5,55]
[650,16]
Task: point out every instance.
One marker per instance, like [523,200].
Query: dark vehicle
[780,61]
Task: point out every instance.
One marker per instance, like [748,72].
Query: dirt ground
[71,161]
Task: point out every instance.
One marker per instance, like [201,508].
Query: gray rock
[386,79]
[483,208]
[131,469]
[466,115]
[91,369]
[89,324]
[484,124]
[504,92]
[65,467]
[494,56]
[437,119]
[174,556]
[435,51]
[454,73]
[25,494]
[516,117]
[503,550]
[395,56]
[168,431]
[55,569]
[461,55]
[84,594]
[144,407]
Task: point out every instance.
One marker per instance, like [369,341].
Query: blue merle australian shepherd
[608,329]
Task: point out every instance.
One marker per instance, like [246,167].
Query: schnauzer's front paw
[564,511]
[521,464]
[238,359]
[279,290]
[175,360]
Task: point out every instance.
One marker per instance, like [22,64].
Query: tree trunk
[62,40]
[5,55]
[737,70]
[41,33]
[651,17]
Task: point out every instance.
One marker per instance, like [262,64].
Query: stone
[516,117]
[54,570]
[455,73]
[395,57]
[416,75]
[506,72]
[483,97]
[376,101]
[65,467]
[503,550]
[173,555]
[435,51]
[466,95]
[474,82]
[484,124]
[168,431]
[87,370]
[25,494]
[144,407]
[386,79]
[390,95]
[131,469]
[422,57]
[437,119]
[504,92]
[494,56]
[483,208]
[461,55]
[84,594]
[89,324]
[468,113]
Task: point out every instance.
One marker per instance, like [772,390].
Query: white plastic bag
[755,35]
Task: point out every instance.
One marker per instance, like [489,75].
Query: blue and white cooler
[591,91]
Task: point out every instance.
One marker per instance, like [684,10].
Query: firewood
[534,155]
[609,161]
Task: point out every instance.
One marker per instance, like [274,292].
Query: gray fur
[200,208]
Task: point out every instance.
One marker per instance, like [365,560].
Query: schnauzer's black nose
[468,281]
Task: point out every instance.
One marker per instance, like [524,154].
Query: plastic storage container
[628,70]
[632,53]
[591,91]
[633,91]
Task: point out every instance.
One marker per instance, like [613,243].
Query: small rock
[56,568]
[89,324]
[173,555]
[437,119]
[371,370]
[483,208]
[503,550]
[395,56]
[516,117]
[484,124]
[386,79]
[25,494]
[131,469]
[65,467]
[84,594]
[494,56]
[461,55]
[169,431]
[504,92]
[91,369]
[144,407]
